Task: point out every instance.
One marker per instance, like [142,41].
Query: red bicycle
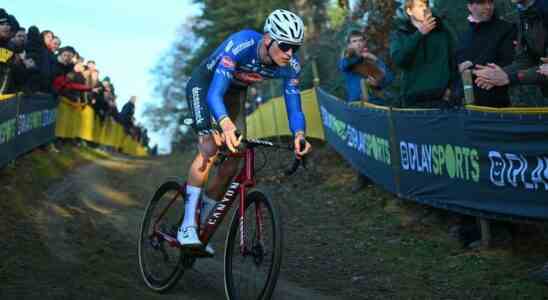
[253,247]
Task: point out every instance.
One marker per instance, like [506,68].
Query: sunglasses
[285,47]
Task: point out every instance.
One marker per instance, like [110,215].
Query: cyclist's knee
[207,146]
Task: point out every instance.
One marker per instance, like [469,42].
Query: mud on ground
[75,237]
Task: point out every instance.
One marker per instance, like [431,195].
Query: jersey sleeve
[222,76]
[292,96]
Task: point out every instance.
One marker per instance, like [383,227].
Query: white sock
[191,203]
[207,205]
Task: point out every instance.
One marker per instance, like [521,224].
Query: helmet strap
[268,51]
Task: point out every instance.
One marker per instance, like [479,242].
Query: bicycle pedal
[198,252]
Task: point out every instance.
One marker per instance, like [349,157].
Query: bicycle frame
[243,181]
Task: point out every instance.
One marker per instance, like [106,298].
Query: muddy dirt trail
[87,230]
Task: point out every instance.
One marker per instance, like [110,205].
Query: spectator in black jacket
[531,48]
[128,111]
[488,40]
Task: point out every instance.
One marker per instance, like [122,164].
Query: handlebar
[253,143]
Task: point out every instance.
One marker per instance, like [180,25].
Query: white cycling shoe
[188,237]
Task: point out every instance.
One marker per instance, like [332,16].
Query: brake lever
[298,161]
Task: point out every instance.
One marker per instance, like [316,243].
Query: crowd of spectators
[432,58]
[40,63]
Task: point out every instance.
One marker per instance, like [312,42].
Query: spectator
[422,45]
[488,40]
[5,29]
[357,53]
[532,42]
[128,112]
[23,67]
[55,44]
[19,40]
[77,76]
[62,81]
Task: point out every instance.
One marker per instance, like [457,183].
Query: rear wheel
[252,272]
[162,263]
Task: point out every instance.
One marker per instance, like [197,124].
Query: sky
[125,38]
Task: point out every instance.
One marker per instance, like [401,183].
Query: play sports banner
[490,163]
[25,123]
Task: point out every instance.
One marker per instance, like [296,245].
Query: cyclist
[214,92]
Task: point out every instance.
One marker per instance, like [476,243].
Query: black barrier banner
[365,144]
[35,122]
[26,123]
[478,163]
[8,129]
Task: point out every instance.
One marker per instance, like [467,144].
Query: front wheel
[251,269]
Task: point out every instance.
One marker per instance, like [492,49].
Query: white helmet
[285,26]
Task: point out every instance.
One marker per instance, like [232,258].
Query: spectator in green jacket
[422,46]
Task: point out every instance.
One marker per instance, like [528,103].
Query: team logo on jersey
[295,65]
[294,82]
[228,62]
[229,46]
[248,78]
[243,46]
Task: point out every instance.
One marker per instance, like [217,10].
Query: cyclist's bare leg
[218,184]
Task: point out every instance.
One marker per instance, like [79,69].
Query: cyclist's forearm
[297,122]
[215,95]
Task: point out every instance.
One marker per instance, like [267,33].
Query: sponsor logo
[197,106]
[224,73]
[243,46]
[292,91]
[514,170]
[295,65]
[229,46]
[35,120]
[248,78]
[223,204]
[457,162]
[370,145]
[227,62]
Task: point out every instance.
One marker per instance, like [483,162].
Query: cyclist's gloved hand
[300,151]
[229,133]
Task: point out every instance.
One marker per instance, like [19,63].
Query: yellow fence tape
[270,119]
[80,121]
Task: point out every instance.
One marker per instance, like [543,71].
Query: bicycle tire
[232,291]
[153,281]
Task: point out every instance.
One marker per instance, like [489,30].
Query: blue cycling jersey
[236,62]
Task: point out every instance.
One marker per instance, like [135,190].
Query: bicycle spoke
[251,270]
[160,260]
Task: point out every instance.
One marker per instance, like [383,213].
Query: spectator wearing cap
[5,29]
[487,40]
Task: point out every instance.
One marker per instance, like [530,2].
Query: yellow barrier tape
[511,110]
[270,119]
[7,97]
[75,120]
[72,103]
